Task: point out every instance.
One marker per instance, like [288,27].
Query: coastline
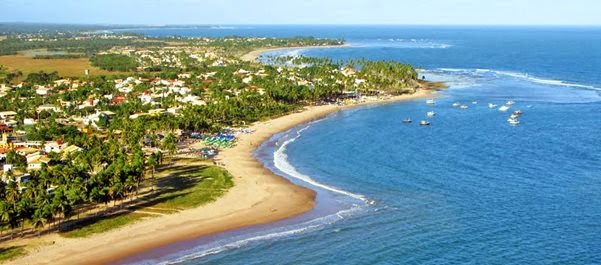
[254,55]
[258,197]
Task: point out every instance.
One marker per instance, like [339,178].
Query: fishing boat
[463,107]
[513,121]
[424,123]
[518,112]
[492,106]
[431,113]
[430,101]
[504,108]
[407,120]
[509,103]
[456,104]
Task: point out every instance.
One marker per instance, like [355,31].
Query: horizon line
[295,24]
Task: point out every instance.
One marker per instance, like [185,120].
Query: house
[173,110]
[247,80]
[38,163]
[156,112]
[48,107]
[88,103]
[184,76]
[7,115]
[29,122]
[347,71]
[146,98]
[118,100]
[194,100]
[137,115]
[61,82]
[56,146]
[43,91]
[70,149]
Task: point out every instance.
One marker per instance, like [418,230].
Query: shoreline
[255,54]
[258,197]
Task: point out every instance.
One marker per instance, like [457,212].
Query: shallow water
[470,188]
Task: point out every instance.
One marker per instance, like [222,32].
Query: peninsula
[117,143]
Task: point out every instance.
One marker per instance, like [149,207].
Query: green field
[8,253]
[178,188]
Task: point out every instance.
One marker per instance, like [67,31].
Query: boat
[509,103]
[456,104]
[513,121]
[431,113]
[407,120]
[430,101]
[463,107]
[424,123]
[514,116]
[504,108]
[518,112]
[492,106]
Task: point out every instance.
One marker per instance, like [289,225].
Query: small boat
[492,106]
[514,116]
[430,101]
[424,123]
[513,121]
[463,107]
[407,120]
[509,103]
[431,113]
[474,102]
[456,104]
[518,112]
[504,108]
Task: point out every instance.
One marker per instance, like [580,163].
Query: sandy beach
[254,55]
[258,197]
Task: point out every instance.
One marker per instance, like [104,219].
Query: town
[72,144]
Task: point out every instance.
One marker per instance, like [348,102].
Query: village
[80,104]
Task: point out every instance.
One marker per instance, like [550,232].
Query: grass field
[8,253]
[65,67]
[178,188]
[102,225]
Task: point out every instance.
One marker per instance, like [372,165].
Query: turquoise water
[470,188]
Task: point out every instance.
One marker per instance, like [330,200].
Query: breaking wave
[517,75]
[281,163]
[403,44]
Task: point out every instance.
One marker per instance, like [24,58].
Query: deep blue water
[470,188]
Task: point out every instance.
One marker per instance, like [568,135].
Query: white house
[27,121]
[48,107]
[7,115]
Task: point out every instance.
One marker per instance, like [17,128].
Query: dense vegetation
[112,165]
[87,46]
[114,62]
[42,78]
[58,56]
[6,76]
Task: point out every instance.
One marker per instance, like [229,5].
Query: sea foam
[517,75]
[281,163]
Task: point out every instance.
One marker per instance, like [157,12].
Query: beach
[254,55]
[258,197]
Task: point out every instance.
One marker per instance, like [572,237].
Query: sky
[217,12]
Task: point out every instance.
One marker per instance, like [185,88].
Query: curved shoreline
[254,55]
[258,197]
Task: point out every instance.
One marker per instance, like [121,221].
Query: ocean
[468,189]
